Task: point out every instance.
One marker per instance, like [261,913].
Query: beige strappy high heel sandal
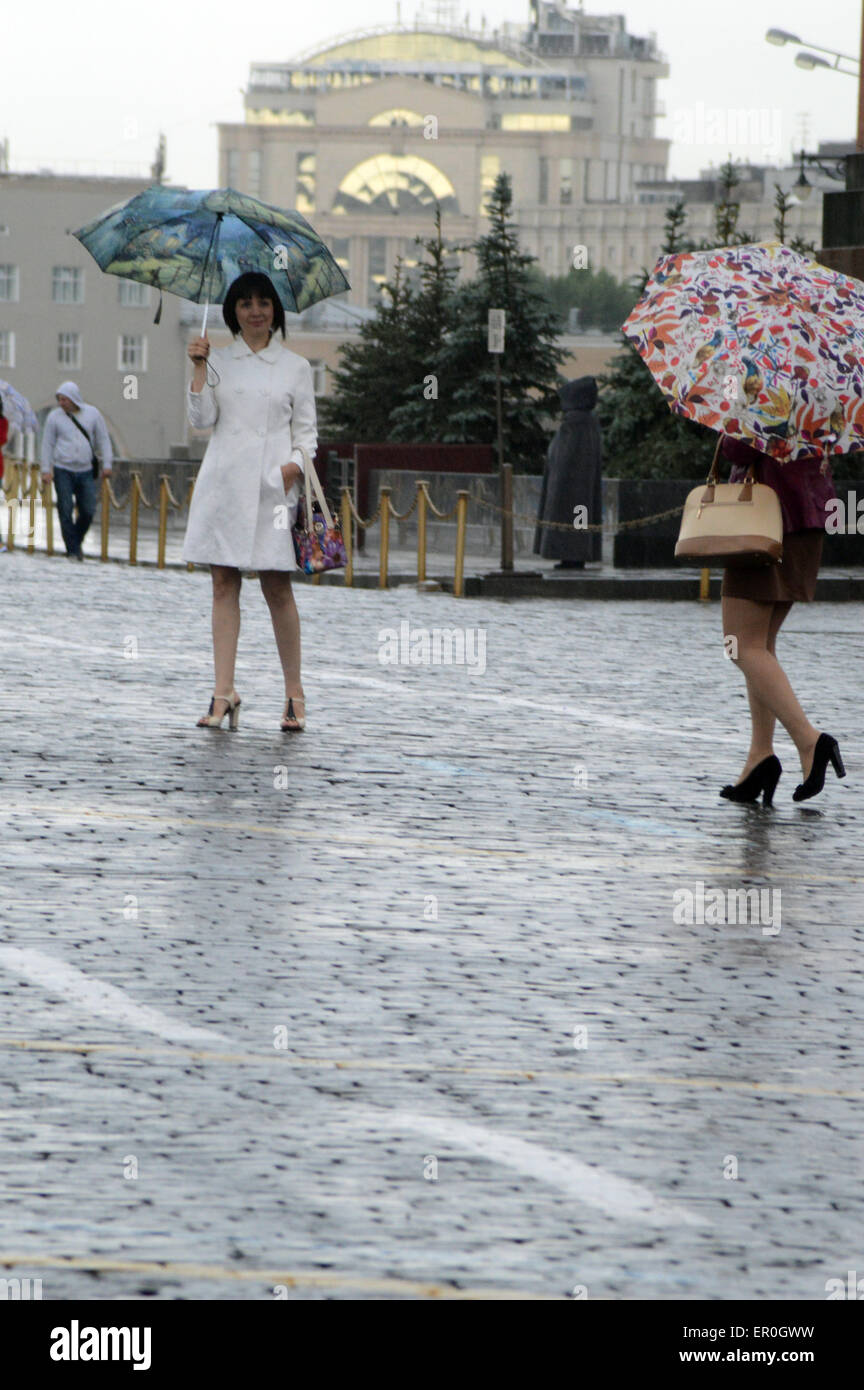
[214,721]
[296,724]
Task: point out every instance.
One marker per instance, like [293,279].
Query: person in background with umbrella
[572,478]
[71,457]
[262,408]
[756,601]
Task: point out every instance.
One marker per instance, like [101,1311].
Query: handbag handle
[746,493]
[312,481]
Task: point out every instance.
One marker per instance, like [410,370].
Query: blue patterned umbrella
[194,243]
[17,409]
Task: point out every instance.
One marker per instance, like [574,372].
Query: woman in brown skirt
[755,603]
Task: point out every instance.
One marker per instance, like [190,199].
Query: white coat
[262,408]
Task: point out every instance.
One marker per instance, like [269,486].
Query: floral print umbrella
[760,343]
[194,243]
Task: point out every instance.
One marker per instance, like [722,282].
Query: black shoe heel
[837,762]
[771,779]
[762,780]
[827,751]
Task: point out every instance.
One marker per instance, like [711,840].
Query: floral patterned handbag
[318,542]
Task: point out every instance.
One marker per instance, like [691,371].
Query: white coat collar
[240,348]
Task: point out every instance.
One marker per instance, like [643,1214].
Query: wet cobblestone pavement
[409,999]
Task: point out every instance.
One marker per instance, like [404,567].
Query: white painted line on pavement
[294,1278]
[618,1197]
[96,997]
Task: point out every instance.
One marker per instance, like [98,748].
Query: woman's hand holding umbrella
[199,351]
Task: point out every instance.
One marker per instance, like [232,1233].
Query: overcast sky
[88,86]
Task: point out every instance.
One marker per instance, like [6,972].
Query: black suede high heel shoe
[827,750]
[762,779]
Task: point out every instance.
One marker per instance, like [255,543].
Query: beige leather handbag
[730,524]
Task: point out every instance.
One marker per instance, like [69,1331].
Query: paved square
[412,999]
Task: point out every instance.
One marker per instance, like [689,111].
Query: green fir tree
[530,363]
[373,373]
[642,438]
[422,415]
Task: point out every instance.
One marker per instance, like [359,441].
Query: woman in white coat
[262,408]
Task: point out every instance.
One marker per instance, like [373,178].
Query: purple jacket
[802,489]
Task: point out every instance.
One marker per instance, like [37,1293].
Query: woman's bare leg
[761,718]
[226,631]
[277,590]
[755,627]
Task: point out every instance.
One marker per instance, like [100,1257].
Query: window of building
[340,247]
[319,377]
[543,193]
[232,168]
[7,348]
[526,120]
[8,284]
[397,115]
[131,352]
[68,349]
[304,198]
[67,285]
[133,295]
[377,268]
[565,180]
[253,182]
[490,168]
[391,183]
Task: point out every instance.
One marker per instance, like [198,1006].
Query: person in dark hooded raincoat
[572,478]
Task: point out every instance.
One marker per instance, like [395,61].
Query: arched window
[397,115]
[394,183]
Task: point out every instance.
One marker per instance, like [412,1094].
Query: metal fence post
[422,506]
[133,518]
[348,537]
[461,520]
[163,521]
[385,537]
[48,504]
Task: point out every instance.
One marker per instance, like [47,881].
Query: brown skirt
[792,581]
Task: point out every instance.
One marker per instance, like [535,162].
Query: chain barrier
[483,501]
[21,492]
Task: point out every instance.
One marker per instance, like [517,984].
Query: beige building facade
[62,318]
[366,134]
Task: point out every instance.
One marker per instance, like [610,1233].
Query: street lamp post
[809,60]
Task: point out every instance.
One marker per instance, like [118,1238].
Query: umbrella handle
[204,324]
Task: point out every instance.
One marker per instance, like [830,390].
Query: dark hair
[253,282]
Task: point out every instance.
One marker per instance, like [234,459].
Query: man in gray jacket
[74,433]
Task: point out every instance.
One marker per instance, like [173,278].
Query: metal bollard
[48,504]
[12,494]
[422,507]
[348,537]
[461,522]
[33,497]
[506,516]
[133,518]
[163,521]
[104,520]
[385,537]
